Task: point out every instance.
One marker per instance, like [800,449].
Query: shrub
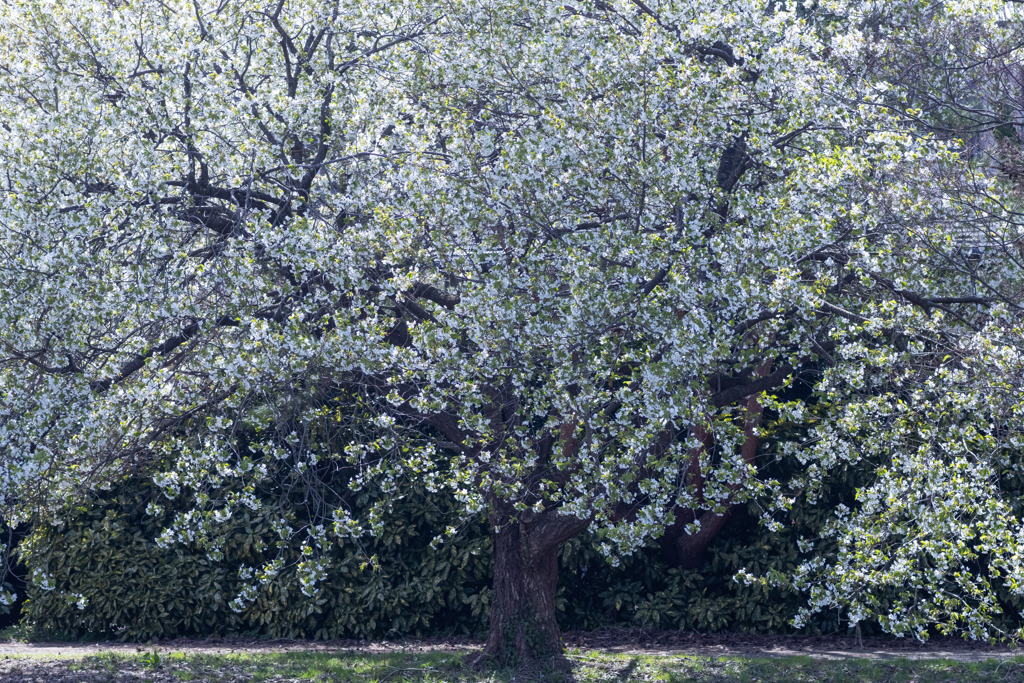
[101,574]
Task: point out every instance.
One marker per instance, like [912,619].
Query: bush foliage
[394,583]
[101,573]
[107,577]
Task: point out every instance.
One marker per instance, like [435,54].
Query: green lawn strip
[277,666]
[805,669]
[589,666]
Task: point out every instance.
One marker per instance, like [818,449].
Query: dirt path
[635,641]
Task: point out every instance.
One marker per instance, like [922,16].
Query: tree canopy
[558,259]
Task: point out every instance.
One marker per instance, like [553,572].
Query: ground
[612,656]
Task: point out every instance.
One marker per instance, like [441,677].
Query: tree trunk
[690,550]
[523,622]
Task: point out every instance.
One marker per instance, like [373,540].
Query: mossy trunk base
[523,624]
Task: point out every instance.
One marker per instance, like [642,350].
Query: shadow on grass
[587,666]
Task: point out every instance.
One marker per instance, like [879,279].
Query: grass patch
[18,633]
[588,666]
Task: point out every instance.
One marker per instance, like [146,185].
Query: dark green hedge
[395,584]
[399,583]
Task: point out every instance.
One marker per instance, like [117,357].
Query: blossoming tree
[928,539]
[572,253]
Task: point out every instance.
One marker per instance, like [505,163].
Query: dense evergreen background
[413,579]
[396,584]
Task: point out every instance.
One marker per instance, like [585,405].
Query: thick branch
[551,529]
[733,394]
[430,293]
[137,363]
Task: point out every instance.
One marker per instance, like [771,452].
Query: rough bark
[690,550]
[523,617]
